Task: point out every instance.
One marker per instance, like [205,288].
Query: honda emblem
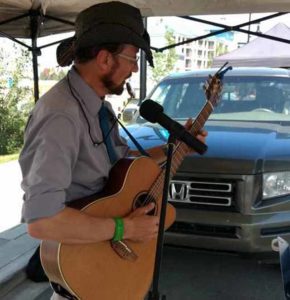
[178,191]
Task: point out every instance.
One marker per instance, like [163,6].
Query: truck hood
[233,147]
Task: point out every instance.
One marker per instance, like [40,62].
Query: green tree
[16,99]
[220,49]
[164,62]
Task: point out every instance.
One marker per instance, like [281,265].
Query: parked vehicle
[130,110]
[235,197]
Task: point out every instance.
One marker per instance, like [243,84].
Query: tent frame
[37,18]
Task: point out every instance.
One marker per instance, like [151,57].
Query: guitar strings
[182,148]
[156,189]
[180,151]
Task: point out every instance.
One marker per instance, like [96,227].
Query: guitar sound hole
[142,200]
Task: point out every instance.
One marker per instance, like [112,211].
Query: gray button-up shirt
[63,157]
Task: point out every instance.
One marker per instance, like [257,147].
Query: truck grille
[206,194]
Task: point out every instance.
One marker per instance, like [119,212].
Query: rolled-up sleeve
[47,159]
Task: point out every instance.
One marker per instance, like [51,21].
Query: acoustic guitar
[120,270]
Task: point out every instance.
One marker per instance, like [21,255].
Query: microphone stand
[154,293]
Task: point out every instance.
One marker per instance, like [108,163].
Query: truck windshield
[242,98]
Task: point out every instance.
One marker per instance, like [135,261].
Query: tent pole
[249,27]
[143,70]
[34,25]
[35,70]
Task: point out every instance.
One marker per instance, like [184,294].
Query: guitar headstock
[214,84]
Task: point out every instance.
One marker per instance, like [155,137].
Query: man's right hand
[139,226]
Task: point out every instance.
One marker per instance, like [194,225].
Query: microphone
[153,112]
[130,90]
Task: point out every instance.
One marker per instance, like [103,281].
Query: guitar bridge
[124,251]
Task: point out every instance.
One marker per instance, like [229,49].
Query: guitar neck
[181,150]
[212,89]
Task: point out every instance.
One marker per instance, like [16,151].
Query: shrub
[16,99]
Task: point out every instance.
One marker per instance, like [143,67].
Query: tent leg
[35,70]
[143,76]
[34,24]
[143,70]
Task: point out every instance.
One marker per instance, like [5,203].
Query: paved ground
[188,274]
[11,195]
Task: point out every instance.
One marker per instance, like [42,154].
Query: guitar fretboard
[180,151]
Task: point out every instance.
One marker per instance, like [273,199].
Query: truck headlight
[276,184]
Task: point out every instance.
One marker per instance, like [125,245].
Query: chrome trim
[229,200]
[228,185]
[181,191]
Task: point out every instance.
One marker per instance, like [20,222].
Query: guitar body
[96,271]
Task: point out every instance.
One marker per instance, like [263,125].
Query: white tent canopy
[68,9]
[260,52]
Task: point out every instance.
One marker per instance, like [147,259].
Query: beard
[113,88]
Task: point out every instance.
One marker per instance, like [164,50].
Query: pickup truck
[236,196]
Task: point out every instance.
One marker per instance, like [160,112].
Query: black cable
[78,99]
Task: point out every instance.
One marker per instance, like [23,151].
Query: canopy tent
[67,10]
[260,52]
[37,18]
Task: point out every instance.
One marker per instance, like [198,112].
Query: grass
[7,158]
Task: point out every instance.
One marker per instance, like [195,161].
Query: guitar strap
[134,141]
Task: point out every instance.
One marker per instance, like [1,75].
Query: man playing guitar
[66,154]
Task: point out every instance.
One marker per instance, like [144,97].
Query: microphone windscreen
[150,110]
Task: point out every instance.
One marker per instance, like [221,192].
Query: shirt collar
[84,92]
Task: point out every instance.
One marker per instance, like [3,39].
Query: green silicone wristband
[119,229]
